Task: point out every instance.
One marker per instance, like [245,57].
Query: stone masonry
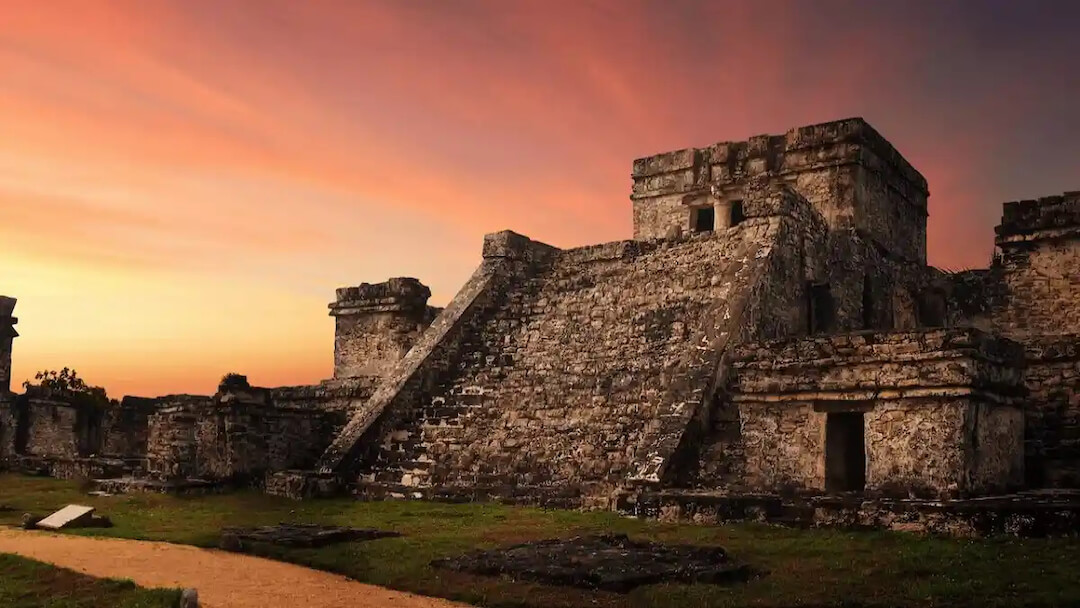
[8,419]
[377,325]
[771,329]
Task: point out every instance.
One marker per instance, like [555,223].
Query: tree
[65,384]
[234,381]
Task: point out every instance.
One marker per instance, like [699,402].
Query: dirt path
[223,580]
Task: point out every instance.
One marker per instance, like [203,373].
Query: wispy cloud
[219,167]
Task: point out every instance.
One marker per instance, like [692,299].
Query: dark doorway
[868,303]
[737,213]
[704,219]
[930,309]
[820,312]
[845,452]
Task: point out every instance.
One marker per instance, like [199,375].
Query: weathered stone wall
[8,421]
[1031,293]
[377,324]
[7,335]
[1052,409]
[239,434]
[999,459]
[851,175]
[126,427]
[340,397]
[56,429]
[172,446]
[1032,288]
[941,410]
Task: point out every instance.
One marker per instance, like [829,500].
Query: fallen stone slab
[610,562]
[71,516]
[298,535]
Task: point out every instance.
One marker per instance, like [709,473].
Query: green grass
[26,583]
[806,567]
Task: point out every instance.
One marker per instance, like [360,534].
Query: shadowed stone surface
[298,535]
[611,562]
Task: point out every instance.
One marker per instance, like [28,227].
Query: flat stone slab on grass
[68,517]
[611,562]
[299,535]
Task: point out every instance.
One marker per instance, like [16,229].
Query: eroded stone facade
[771,329]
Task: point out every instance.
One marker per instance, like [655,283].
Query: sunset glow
[184,183]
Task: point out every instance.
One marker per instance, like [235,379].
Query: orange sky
[184,183]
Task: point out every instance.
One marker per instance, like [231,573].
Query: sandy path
[223,580]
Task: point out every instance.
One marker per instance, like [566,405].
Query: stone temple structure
[772,329]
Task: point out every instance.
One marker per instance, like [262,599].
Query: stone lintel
[870,396]
[869,366]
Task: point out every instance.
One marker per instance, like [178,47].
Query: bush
[66,384]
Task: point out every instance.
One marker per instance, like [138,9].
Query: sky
[183,183]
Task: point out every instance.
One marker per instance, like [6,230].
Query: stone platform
[607,562]
[1025,514]
[298,535]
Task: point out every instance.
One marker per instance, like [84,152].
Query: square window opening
[704,219]
[738,214]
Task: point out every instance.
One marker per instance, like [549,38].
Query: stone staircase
[570,371]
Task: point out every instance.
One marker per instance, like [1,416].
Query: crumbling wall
[1052,378]
[941,411]
[126,427]
[1031,293]
[338,397]
[238,434]
[377,324]
[8,420]
[854,178]
[1032,287]
[55,429]
[172,444]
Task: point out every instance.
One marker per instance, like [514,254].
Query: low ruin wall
[8,423]
[222,438]
[1052,378]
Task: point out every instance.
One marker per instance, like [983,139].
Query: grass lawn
[806,567]
[26,583]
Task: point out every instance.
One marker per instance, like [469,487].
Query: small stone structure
[298,535]
[771,329]
[610,562]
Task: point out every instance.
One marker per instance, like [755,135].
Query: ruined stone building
[771,328]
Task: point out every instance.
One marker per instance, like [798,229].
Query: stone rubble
[610,562]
